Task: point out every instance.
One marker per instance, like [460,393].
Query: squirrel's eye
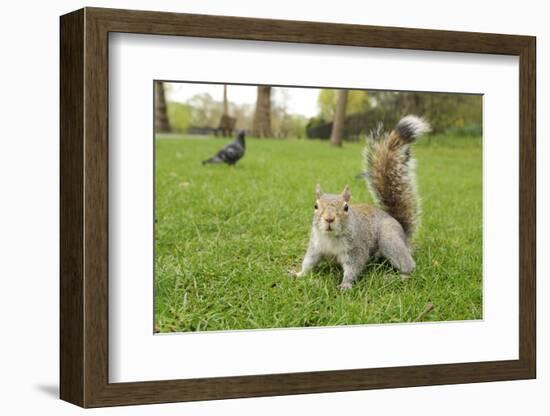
[316,206]
[346,207]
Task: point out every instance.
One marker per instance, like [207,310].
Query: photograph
[280,206]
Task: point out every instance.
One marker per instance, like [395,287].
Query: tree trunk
[225,103]
[339,118]
[262,117]
[162,125]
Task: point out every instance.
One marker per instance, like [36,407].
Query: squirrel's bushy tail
[390,170]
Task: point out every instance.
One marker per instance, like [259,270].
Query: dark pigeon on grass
[231,153]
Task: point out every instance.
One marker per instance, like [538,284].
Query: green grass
[226,237]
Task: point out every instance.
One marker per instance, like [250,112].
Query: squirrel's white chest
[329,246]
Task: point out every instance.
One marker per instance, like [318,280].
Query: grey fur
[362,237]
[353,234]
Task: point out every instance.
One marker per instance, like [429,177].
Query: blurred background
[337,115]
[226,236]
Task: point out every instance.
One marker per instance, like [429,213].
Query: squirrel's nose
[330,220]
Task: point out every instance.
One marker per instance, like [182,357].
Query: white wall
[29,206]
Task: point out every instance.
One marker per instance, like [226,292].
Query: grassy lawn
[226,237]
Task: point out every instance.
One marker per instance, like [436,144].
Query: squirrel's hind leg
[393,246]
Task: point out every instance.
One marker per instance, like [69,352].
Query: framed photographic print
[255,207]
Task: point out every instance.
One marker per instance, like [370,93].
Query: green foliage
[327,104]
[454,112]
[205,110]
[288,125]
[443,111]
[226,237]
[179,115]
[358,101]
[244,114]
[466,130]
[315,121]
[297,126]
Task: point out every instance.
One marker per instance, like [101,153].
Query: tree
[443,111]
[339,118]
[205,111]
[162,124]
[358,102]
[244,113]
[227,123]
[295,125]
[262,116]
[326,101]
[225,102]
[179,115]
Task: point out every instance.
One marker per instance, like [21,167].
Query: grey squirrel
[355,233]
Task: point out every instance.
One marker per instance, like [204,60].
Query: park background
[226,237]
[283,112]
[31,162]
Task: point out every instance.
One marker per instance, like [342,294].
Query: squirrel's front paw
[293,273]
[345,286]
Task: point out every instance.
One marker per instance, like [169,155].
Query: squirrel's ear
[318,191]
[346,194]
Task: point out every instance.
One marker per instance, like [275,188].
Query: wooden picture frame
[84,207]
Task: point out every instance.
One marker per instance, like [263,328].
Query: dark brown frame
[84,207]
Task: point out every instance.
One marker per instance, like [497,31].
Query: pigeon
[231,153]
